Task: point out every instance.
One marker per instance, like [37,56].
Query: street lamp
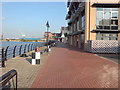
[47,25]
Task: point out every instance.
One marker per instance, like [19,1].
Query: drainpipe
[89,21]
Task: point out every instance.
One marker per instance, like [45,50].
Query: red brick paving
[70,68]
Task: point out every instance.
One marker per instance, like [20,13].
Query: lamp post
[47,25]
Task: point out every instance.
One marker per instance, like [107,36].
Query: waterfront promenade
[26,71]
[69,67]
[65,67]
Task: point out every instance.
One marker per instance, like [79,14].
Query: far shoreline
[22,40]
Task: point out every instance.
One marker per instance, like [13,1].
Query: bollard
[37,49]
[36,56]
[49,48]
[33,59]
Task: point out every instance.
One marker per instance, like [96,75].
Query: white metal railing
[103,46]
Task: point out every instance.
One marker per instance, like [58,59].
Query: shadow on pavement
[29,60]
[112,57]
[63,45]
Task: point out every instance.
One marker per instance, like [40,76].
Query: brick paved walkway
[26,71]
[70,68]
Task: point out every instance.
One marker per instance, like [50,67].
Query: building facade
[64,33]
[51,36]
[93,20]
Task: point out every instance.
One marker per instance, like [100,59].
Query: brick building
[93,20]
[51,36]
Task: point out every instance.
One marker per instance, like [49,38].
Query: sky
[29,18]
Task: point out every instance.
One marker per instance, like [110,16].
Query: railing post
[14,51]
[6,52]
[25,48]
[20,50]
[16,80]
[34,46]
[3,58]
[28,47]
[31,46]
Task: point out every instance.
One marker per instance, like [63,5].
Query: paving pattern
[26,71]
[72,68]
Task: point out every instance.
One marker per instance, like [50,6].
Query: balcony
[106,5]
[106,30]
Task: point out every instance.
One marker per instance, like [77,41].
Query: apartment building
[92,20]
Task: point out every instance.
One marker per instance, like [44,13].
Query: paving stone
[26,71]
[69,67]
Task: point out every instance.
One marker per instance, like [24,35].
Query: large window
[107,36]
[107,18]
[83,20]
[83,23]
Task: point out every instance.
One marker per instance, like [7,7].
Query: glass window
[106,22]
[106,36]
[99,27]
[114,37]
[99,22]
[82,38]
[107,9]
[114,22]
[99,36]
[83,23]
[99,9]
[107,15]
[107,18]
[100,15]
[114,15]
[107,27]
[114,27]
[78,26]
[114,9]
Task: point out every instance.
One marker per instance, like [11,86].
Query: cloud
[2,18]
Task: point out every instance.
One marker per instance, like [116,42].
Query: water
[11,44]
[28,45]
[32,38]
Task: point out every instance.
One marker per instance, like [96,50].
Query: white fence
[103,46]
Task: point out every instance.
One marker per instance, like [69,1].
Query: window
[114,15]
[114,22]
[78,26]
[74,26]
[83,23]
[82,38]
[106,36]
[99,9]
[107,18]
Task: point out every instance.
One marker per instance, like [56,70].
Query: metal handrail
[9,52]
[4,79]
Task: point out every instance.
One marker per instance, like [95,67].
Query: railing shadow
[29,60]
[112,56]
